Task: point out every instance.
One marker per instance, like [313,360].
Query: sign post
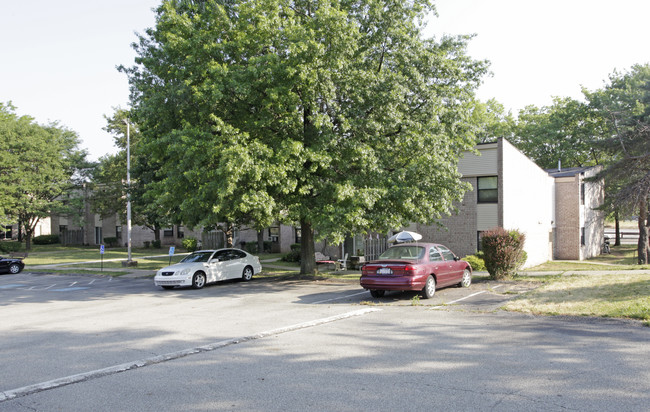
[101,254]
[171,253]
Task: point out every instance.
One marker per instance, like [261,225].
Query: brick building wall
[567,218]
[459,231]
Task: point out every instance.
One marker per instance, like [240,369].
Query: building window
[298,235]
[168,232]
[118,232]
[582,194]
[98,235]
[274,234]
[63,228]
[479,236]
[583,241]
[488,191]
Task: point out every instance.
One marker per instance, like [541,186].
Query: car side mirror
[456,258]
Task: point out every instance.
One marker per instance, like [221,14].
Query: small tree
[504,252]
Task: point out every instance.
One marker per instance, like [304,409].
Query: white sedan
[206,266]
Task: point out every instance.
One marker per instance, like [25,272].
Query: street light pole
[128,189]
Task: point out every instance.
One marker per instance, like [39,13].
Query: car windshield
[403,252]
[197,257]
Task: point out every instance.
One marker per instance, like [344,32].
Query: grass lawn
[616,296]
[623,257]
[57,254]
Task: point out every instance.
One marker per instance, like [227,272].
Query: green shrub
[156,244]
[294,255]
[250,247]
[9,246]
[190,244]
[504,252]
[110,241]
[46,240]
[477,261]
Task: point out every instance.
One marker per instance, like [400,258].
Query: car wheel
[198,280]
[467,279]
[377,293]
[168,287]
[248,273]
[14,268]
[429,288]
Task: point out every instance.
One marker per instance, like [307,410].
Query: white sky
[58,58]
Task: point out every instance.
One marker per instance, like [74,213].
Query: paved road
[79,343]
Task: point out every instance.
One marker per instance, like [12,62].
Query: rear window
[403,252]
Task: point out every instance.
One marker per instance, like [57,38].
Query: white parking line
[340,297]
[463,298]
[111,370]
[466,297]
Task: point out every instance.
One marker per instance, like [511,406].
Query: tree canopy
[39,164]
[624,106]
[334,115]
[562,133]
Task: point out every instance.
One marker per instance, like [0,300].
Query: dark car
[11,265]
[415,266]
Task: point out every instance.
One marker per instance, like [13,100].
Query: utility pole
[129,261]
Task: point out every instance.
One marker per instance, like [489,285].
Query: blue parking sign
[171,250]
[101,249]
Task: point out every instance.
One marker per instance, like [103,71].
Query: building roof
[567,171]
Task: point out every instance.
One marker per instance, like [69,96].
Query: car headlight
[184,272]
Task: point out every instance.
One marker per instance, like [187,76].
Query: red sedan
[415,266]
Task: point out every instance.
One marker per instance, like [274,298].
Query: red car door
[440,267]
[454,266]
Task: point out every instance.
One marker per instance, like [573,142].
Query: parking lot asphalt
[79,343]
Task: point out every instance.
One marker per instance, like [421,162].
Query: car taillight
[409,270]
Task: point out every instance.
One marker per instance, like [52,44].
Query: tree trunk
[617,222]
[647,232]
[642,246]
[260,242]
[156,233]
[28,239]
[229,235]
[307,250]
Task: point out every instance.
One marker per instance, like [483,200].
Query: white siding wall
[43,227]
[591,219]
[528,203]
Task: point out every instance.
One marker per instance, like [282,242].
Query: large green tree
[562,133]
[493,122]
[41,165]
[338,116]
[624,103]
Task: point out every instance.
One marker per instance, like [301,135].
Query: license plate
[384,271]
